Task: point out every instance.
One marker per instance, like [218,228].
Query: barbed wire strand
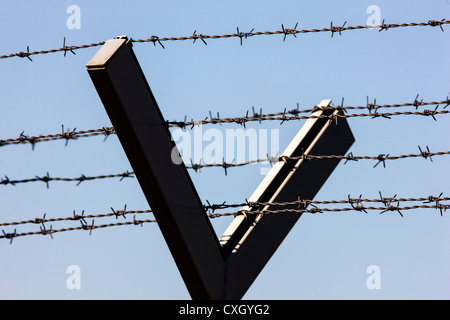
[86,226]
[382,158]
[77,217]
[240,35]
[211,208]
[301,202]
[285,115]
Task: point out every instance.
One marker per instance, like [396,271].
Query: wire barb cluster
[203,37]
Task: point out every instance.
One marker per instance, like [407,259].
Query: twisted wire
[284,116]
[240,35]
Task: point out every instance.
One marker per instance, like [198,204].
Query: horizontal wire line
[76,217]
[349,200]
[129,174]
[279,116]
[240,35]
[82,227]
[209,207]
[320,210]
[388,207]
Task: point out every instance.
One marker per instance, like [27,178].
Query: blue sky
[326,255]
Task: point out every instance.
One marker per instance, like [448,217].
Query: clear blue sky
[326,255]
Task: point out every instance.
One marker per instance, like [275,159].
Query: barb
[435,23]
[120,212]
[336,29]
[200,36]
[65,48]
[243,34]
[393,208]
[24,54]
[153,39]
[384,26]
[68,135]
[431,113]
[387,201]
[382,159]
[293,31]
[10,236]
[46,232]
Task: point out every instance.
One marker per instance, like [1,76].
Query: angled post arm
[145,138]
[251,240]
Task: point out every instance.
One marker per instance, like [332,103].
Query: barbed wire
[47,178]
[211,208]
[381,158]
[299,202]
[285,115]
[315,210]
[356,205]
[240,35]
[78,217]
[84,226]
[68,135]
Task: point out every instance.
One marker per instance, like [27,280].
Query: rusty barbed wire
[382,158]
[240,35]
[285,115]
[47,178]
[69,135]
[299,202]
[64,49]
[77,217]
[315,210]
[84,226]
[211,208]
[301,208]
[349,157]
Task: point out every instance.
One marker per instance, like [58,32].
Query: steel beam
[211,269]
[251,240]
[145,138]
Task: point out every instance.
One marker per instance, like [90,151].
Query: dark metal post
[210,269]
[251,240]
[145,137]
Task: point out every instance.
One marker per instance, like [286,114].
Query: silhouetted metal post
[211,269]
